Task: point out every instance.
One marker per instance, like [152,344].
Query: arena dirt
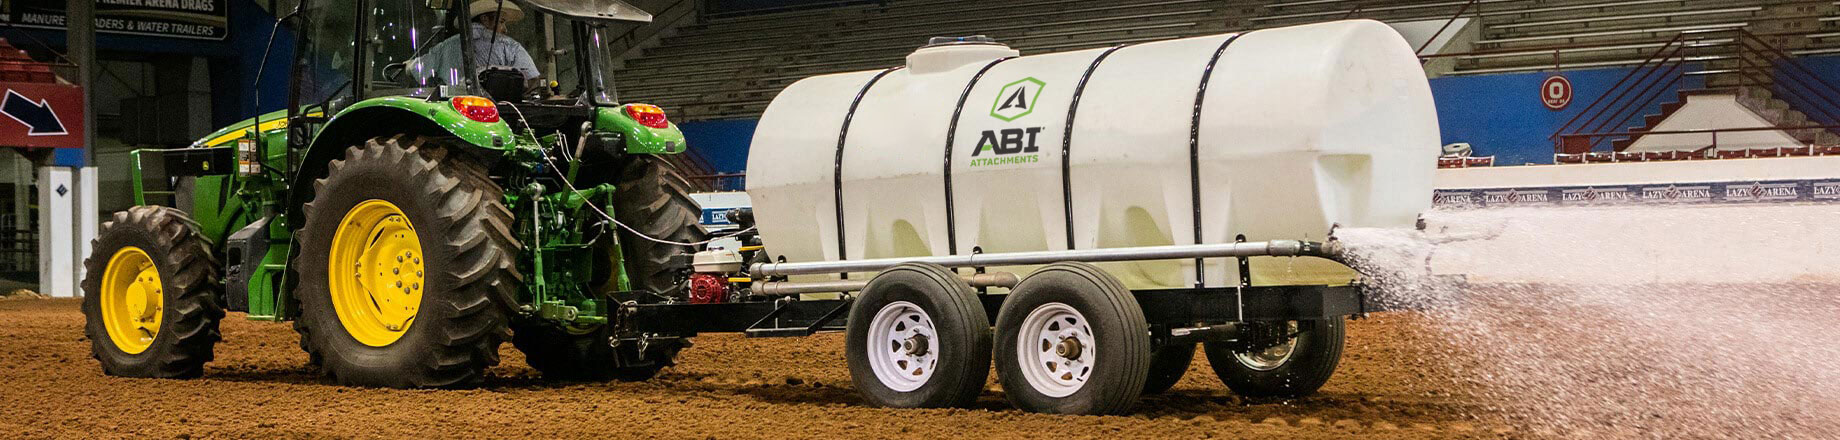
[724,387]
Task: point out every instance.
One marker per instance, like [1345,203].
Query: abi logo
[1008,141]
[1011,146]
[1017,99]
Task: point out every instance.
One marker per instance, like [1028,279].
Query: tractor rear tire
[183,281]
[586,356]
[1298,371]
[654,199]
[390,210]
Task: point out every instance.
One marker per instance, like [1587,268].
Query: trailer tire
[653,198]
[1167,366]
[905,314]
[1307,366]
[585,355]
[186,286]
[402,205]
[1072,340]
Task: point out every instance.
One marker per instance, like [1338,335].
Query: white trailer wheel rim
[1056,349]
[903,346]
[1270,358]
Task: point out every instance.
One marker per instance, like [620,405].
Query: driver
[491,47]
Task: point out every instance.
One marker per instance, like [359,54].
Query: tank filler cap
[970,39]
[946,53]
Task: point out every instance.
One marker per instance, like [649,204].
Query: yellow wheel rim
[375,273]
[131,300]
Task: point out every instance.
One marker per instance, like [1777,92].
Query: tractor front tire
[151,293]
[408,268]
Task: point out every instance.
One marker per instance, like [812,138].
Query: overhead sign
[41,115]
[1556,92]
[199,19]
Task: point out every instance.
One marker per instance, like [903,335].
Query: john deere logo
[1017,99]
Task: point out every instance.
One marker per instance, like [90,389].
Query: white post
[56,243]
[87,209]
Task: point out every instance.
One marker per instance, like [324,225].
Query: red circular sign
[1556,92]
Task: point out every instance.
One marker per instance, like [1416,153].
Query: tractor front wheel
[151,295]
[407,266]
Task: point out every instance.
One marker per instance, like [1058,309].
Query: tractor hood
[591,10]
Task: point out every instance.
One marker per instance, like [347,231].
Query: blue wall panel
[1502,115]
[724,142]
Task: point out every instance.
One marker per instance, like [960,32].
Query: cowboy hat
[510,12]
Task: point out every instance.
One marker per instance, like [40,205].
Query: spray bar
[1274,248]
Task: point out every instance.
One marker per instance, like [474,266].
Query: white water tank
[1296,129]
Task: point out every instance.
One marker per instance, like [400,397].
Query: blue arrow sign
[39,116]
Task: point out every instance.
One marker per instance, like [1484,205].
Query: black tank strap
[1067,140]
[951,133]
[843,136]
[1194,149]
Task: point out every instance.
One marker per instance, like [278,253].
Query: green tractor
[431,191]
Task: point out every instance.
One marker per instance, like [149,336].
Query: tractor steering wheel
[394,71]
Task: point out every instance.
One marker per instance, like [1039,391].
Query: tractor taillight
[648,115]
[476,108]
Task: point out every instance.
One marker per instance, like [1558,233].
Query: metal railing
[1446,26]
[792,8]
[1689,54]
[631,38]
[1712,145]
[720,181]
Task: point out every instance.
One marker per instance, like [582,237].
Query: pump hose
[597,209]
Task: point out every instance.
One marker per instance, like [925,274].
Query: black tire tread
[652,197]
[1306,372]
[1114,300]
[957,386]
[1167,366]
[485,266]
[194,289]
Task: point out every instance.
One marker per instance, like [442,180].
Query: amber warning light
[476,108]
[648,115]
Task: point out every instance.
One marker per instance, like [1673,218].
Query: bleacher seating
[732,67]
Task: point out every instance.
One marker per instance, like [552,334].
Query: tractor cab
[545,64]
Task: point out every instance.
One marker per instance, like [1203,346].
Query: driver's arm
[432,65]
[520,60]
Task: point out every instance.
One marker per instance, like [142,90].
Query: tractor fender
[389,116]
[639,138]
